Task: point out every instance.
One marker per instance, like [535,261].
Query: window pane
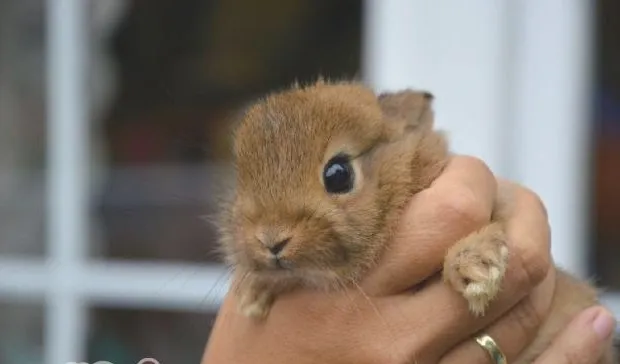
[22,127]
[127,336]
[21,336]
[185,68]
[23,116]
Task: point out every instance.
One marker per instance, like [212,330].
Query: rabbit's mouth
[273,264]
[283,264]
[276,263]
[306,276]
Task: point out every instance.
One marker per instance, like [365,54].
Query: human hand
[383,321]
[583,341]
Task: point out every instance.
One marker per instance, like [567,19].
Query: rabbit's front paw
[254,303]
[475,267]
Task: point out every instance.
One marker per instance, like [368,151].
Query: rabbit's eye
[338,175]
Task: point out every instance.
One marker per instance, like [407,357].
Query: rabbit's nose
[276,248]
[274,240]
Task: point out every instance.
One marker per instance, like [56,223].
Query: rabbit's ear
[414,108]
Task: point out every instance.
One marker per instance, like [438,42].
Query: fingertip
[466,190]
[603,324]
[594,324]
[583,340]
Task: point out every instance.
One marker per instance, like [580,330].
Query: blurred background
[103,254]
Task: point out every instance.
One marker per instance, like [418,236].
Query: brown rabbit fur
[282,229]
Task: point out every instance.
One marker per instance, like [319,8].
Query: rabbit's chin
[323,279]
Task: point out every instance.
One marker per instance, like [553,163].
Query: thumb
[586,339]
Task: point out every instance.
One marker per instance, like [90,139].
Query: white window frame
[486,67]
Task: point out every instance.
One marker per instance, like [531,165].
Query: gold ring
[488,344]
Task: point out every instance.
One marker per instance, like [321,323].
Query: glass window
[129,335]
[21,337]
[185,68]
[22,128]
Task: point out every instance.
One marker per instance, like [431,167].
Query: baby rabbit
[323,174]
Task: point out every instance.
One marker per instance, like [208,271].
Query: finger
[512,332]
[458,202]
[527,228]
[451,320]
[443,316]
[584,341]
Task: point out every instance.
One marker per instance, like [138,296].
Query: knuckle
[535,251]
[526,272]
[536,265]
[537,200]
[463,204]
[470,204]
[537,268]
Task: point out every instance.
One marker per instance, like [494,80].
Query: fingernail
[604,325]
